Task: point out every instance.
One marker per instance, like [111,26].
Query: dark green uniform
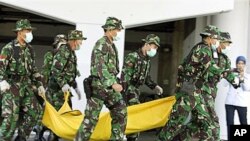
[105,66]
[193,112]
[135,73]
[19,104]
[63,71]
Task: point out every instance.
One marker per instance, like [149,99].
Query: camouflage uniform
[59,40]
[105,66]
[193,112]
[135,73]
[64,70]
[19,104]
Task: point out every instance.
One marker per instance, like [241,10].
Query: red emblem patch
[3,56]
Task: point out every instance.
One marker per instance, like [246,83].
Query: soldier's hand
[41,90]
[65,88]
[117,87]
[158,90]
[78,92]
[4,85]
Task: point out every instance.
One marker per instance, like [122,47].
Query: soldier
[198,75]
[136,72]
[59,40]
[106,87]
[19,82]
[64,71]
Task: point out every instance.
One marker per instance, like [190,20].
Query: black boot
[20,138]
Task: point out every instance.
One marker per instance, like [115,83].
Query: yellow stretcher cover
[141,117]
[65,122]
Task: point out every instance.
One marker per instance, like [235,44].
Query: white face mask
[152,52]
[29,37]
[216,45]
[226,50]
[78,45]
[117,37]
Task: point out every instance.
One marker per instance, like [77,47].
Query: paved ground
[145,136]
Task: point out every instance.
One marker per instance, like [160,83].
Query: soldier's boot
[20,138]
[53,137]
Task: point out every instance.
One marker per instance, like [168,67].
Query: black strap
[15,53]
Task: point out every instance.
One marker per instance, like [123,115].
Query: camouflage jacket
[195,64]
[201,67]
[105,63]
[64,67]
[136,71]
[220,68]
[14,65]
[48,61]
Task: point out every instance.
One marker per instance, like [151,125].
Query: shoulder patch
[3,56]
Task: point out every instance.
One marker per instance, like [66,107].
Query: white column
[236,22]
[93,32]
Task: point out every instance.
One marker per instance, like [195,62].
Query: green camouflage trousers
[118,112]
[191,115]
[131,96]
[19,109]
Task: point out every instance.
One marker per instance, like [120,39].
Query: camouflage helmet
[75,35]
[23,24]
[225,37]
[113,23]
[152,38]
[58,38]
[211,31]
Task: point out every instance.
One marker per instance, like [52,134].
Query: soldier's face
[150,46]
[225,45]
[114,32]
[153,46]
[213,41]
[23,32]
[25,35]
[78,44]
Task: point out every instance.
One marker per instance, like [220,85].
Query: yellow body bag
[65,122]
[141,117]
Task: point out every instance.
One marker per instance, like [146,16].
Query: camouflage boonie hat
[75,35]
[225,37]
[113,23]
[211,31]
[152,38]
[59,37]
[23,24]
